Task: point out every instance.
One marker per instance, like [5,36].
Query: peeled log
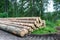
[28,22]
[20,26]
[14,30]
[43,24]
[32,20]
[38,19]
[22,21]
[16,25]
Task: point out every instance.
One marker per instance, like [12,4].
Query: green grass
[58,22]
[50,28]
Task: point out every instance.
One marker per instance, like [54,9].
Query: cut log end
[23,32]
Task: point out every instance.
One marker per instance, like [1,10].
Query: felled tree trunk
[14,30]
[43,24]
[32,20]
[38,19]
[21,25]
[16,25]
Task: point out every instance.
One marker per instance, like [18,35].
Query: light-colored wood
[43,23]
[24,25]
[14,30]
[16,25]
[24,18]
[32,20]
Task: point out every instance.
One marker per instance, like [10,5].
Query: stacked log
[33,20]
[14,30]
[16,25]
[22,25]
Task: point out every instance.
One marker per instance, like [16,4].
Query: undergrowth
[50,28]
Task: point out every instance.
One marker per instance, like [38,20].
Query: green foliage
[56,5]
[57,0]
[58,22]
[23,8]
[28,8]
[2,5]
[49,16]
[2,15]
[50,23]
[52,16]
[46,30]
[50,28]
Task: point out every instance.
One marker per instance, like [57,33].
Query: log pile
[21,25]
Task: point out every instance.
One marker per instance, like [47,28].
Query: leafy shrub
[46,30]
[58,22]
[2,15]
[50,23]
[50,28]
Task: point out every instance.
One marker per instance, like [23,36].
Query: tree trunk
[14,30]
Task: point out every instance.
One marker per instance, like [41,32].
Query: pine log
[14,30]
[21,21]
[38,19]
[29,18]
[20,26]
[33,20]
[43,24]
[16,25]
[28,22]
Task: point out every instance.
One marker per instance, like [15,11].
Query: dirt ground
[7,36]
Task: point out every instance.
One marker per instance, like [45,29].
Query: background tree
[19,8]
[57,8]
[2,2]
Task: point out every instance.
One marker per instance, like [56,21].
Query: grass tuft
[50,28]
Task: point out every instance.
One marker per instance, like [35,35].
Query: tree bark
[14,30]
